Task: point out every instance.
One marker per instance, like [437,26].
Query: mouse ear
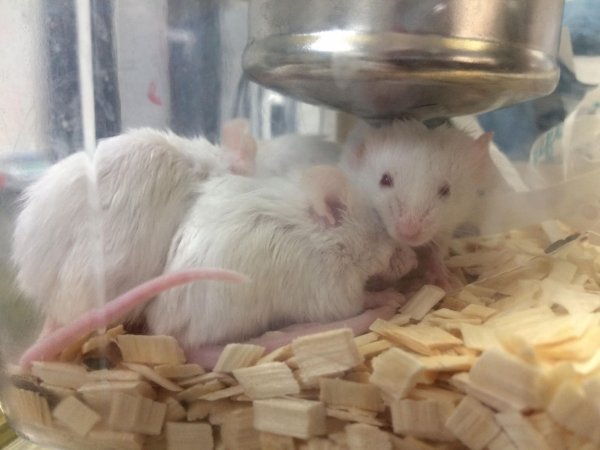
[355,155]
[237,139]
[329,193]
[483,142]
[482,147]
[481,162]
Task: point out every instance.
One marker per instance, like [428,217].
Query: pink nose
[410,230]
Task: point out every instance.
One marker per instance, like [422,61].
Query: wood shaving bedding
[509,361]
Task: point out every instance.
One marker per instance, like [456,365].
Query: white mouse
[423,182]
[307,246]
[91,229]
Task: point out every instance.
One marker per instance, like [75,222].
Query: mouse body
[308,246]
[93,228]
[293,153]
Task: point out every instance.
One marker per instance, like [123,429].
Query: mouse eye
[444,190]
[386,180]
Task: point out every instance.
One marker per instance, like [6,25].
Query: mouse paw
[402,261]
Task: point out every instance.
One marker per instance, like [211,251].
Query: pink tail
[108,314]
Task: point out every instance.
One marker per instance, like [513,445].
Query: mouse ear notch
[237,139]
[329,192]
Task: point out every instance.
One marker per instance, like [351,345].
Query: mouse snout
[411,231]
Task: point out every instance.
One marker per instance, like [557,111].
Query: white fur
[419,160]
[285,154]
[146,180]
[301,271]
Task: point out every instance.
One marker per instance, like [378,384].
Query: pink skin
[54,342]
[208,355]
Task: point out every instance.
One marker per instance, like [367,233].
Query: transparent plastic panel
[390,209]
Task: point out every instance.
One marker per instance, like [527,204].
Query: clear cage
[261,91]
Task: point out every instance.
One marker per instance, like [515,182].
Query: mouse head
[422,182]
[329,194]
[237,139]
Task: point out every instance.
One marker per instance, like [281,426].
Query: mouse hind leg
[208,355]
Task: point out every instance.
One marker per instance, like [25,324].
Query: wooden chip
[267,380]
[151,375]
[114,375]
[356,415]
[175,411]
[422,302]
[150,349]
[28,407]
[515,381]
[199,390]
[179,371]
[231,391]
[271,441]
[436,393]
[374,348]
[479,311]
[552,432]
[189,436]
[422,418]
[102,341]
[520,431]
[198,410]
[366,338]
[280,354]
[581,349]
[422,339]
[238,432]
[136,414]
[361,436]
[106,388]
[473,424]
[116,439]
[57,391]
[447,363]
[396,372]
[220,410]
[479,337]
[76,415]
[291,417]
[336,392]
[327,353]
[236,356]
[60,374]
[571,408]
[501,442]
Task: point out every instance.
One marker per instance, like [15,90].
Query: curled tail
[52,344]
